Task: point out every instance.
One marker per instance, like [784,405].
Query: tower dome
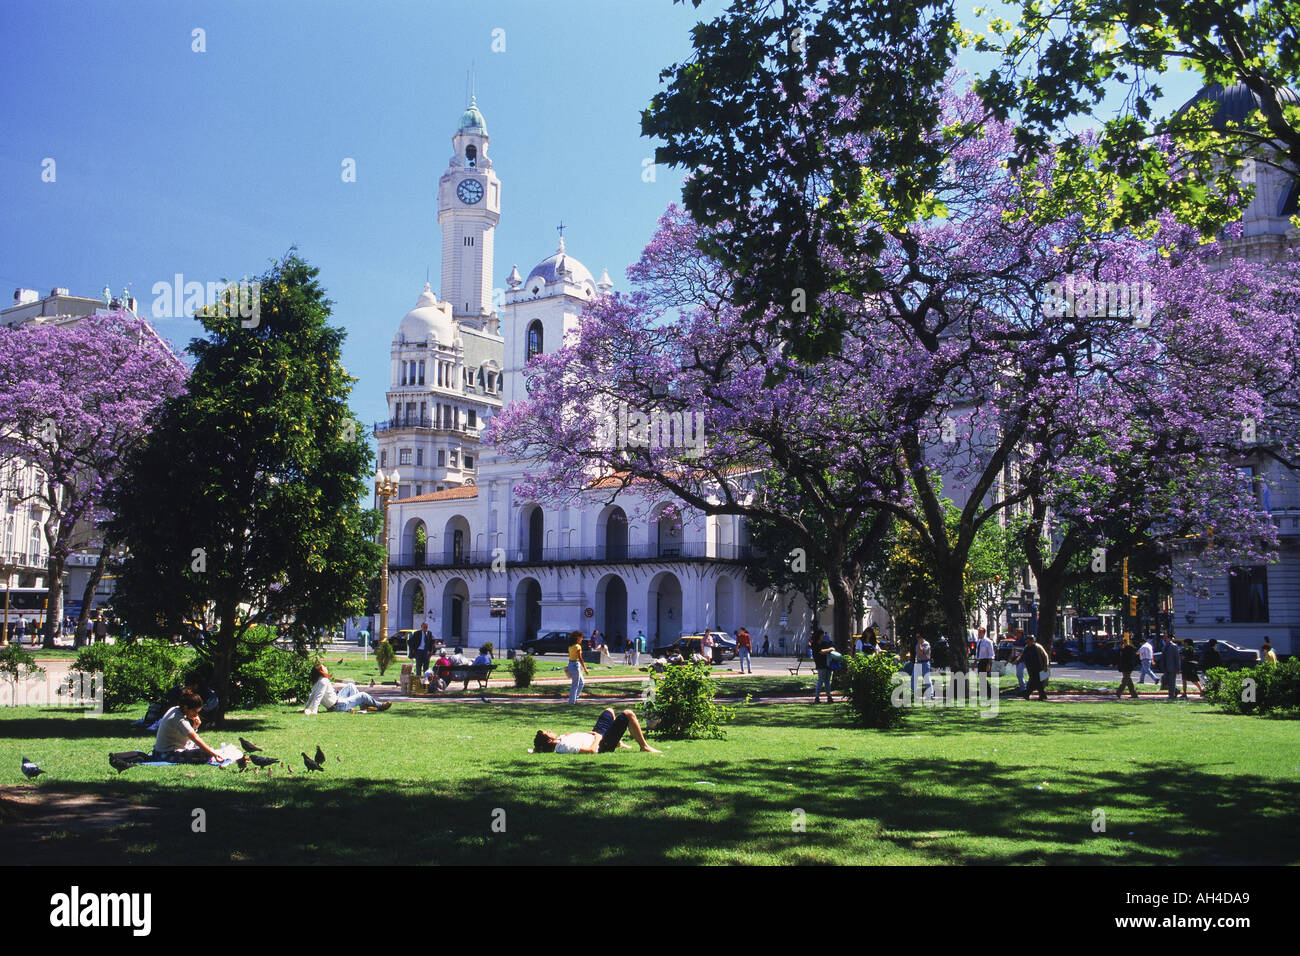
[560,264]
[1234,103]
[471,121]
[429,318]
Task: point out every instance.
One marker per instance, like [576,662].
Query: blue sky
[211,164]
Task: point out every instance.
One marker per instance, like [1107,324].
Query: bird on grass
[249,747]
[339,661]
[118,764]
[288,769]
[262,761]
[242,763]
[311,764]
[338,758]
[30,770]
[320,755]
[372,683]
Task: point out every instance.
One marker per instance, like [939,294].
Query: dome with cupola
[429,318]
[561,264]
[472,121]
[1233,104]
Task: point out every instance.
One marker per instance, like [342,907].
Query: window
[410,413]
[471,156]
[383,458]
[1248,595]
[469,461]
[419,490]
[34,546]
[421,373]
[419,458]
[404,456]
[471,419]
[442,459]
[469,241]
[403,373]
[453,458]
[534,340]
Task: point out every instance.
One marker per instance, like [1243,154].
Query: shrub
[17,664]
[384,655]
[682,705]
[143,670]
[524,666]
[1264,688]
[265,674]
[868,687]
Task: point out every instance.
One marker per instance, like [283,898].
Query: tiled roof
[464,491]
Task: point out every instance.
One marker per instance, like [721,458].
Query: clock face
[470,191]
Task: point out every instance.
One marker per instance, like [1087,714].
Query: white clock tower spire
[469,208]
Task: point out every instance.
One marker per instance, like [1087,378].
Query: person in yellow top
[577,666]
[1267,653]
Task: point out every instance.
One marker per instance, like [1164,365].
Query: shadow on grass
[114,724]
[621,811]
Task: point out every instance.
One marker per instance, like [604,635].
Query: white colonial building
[460,535]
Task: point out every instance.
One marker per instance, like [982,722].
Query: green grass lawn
[1178,783]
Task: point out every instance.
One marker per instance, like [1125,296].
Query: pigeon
[30,770]
[311,764]
[118,764]
[320,755]
[250,748]
[243,763]
[372,683]
[338,758]
[263,761]
[339,661]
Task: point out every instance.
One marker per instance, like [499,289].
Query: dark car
[686,646]
[1233,657]
[1006,650]
[552,642]
[1064,651]
[399,639]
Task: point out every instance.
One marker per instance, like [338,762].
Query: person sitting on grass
[605,737]
[349,698]
[178,740]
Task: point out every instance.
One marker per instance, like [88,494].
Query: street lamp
[385,488]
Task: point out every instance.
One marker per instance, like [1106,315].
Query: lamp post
[7,567]
[385,488]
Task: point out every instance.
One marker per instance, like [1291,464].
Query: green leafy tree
[261,467]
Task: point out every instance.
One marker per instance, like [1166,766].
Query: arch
[535,342]
[455,612]
[665,531]
[724,605]
[471,156]
[456,541]
[413,607]
[532,533]
[611,533]
[415,542]
[611,607]
[528,610]
[664,608]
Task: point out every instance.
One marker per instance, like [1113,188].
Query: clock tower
[469,207]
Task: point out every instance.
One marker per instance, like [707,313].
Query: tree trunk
[842,590]
[1049,596]
[222,656]
[54,605]
[88,595]
[952,600]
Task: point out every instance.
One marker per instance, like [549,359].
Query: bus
[27,603]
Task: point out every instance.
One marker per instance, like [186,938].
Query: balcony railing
[422,421]
[669,551]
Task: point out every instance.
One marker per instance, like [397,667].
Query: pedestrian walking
[1212,657]
[984,654]
[638,647]
[767,646]
[822,645]
[1038,665]
[1128,659]
[1171,660]
[1189,666]
[577,666]
[742,649]
[1146,657]
[921,663]
[101,629]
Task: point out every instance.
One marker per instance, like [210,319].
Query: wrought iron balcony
[603,554]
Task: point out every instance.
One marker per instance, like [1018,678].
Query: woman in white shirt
[349,698]
[178,740]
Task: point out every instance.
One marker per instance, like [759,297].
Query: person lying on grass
[606,736]
[349,698]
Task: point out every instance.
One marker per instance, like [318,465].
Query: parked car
[686,646]
[1064,651]
[1006,650]
[724,645]
[1234,657]
[399,639]
[552,642]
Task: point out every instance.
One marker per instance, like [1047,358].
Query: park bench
[479,672]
